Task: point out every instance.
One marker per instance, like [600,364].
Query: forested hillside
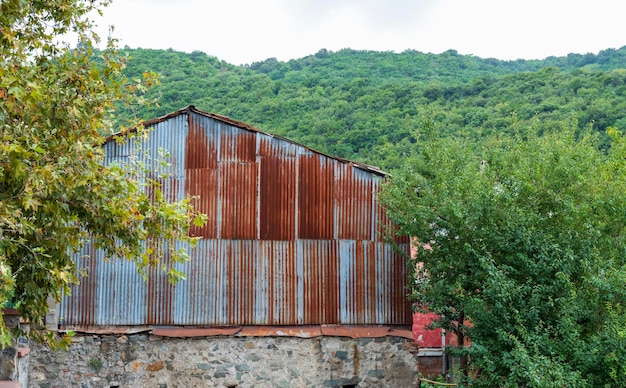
[366,105]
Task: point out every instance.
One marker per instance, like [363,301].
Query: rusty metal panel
[318,275]
[380,220]
[382,225]
[236,145]
[276,283]
[316,195]
[109,295]
[199,298]
[243,261]
[372,284]
[348,281]
[221,283]
[201,184]
[399,308]
[158,298]
[79,309]
[271,146]
[354,192]
[239,282]
[251,282]
[277,198]
[238,200]
[201,175]
[293,237]
[201,146]
[121,292]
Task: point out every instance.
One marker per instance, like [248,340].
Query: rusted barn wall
[293,237]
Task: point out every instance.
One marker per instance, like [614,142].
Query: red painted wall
[425,338]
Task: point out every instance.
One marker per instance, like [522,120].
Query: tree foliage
[55,104]
[525,253]
[364,105]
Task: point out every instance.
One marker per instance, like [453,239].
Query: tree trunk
[461,339]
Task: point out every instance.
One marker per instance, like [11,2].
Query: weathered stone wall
[14,363]
[14,359]
[142,360]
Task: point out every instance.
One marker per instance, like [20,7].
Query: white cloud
[244,31]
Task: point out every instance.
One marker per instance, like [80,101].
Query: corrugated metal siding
[277,198]
[201,173]
[117,287]
[316,197]
[238,200]
[80,307]
[318,264]
[354,188]
[293,237]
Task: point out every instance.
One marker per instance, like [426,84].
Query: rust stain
[320,282]
[356,359]
[180,332]
[159,290]
[199,151]
[370,275]
[273,146]
[360,292]
[238,194]
[155,366]
[331,285]
[136,365]
[80,310]
[316,205]
[104,329]
[306,331]
[201,186]
[355,331]
[303,331]
[237,145]
[354,204]
[277,198]
[201,178]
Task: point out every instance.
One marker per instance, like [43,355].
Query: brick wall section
[430,366]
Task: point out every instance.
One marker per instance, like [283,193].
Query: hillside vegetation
[366,105]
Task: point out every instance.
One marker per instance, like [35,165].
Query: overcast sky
[246,31]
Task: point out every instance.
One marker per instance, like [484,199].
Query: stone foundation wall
[14,358]
[142,360]
[14,366]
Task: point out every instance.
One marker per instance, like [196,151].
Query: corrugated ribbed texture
[277,198]
[354,203]
[316,197]
[293,237]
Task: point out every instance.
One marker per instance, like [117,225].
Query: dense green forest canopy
[366,105]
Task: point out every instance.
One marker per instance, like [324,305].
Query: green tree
[523,246]
[344,103]
[55,102]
